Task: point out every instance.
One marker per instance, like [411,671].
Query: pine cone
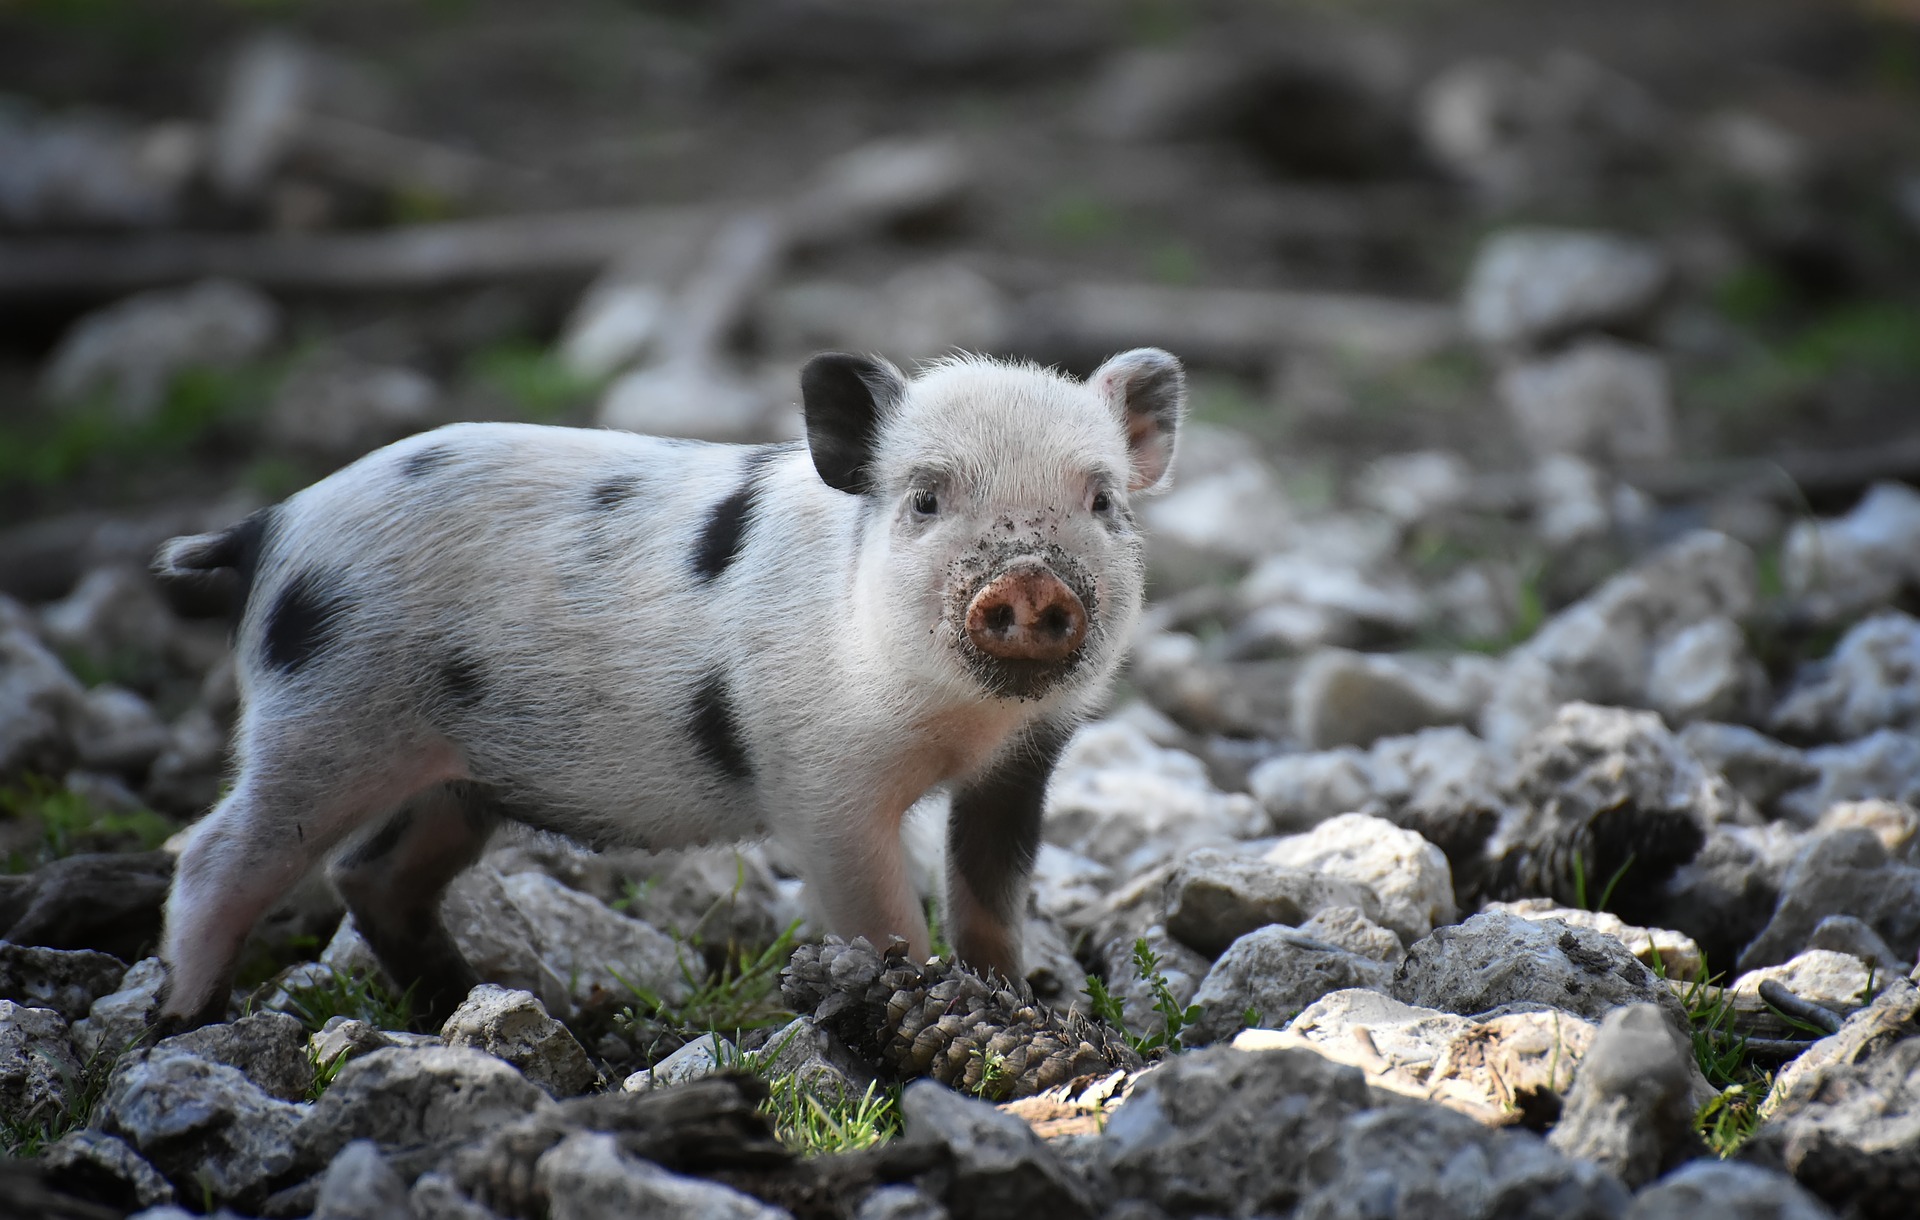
[980,1036]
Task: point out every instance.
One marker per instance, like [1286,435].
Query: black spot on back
[716,729]
[725,530]
[303,620]
[612,493]
[423,462]
[463,679]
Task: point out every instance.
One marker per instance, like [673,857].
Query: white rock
[1673,953]
[1705,672]
[512,1025]
[1881,765]
[1408,874]
[1346,698]
[1895,823]
[593,946]
[38,1071]
[1820,975]
[1414,487]
[1213,898]
[1531,284]
[1570,500]
[1311,587]
[120,732]
[1842,567]
[587,1177]
[1871,681]
[1127,803]
[612,327]
[1272,974]
[1302,790]
[118,1020]
[1236,514]
[41,706]
[134,348]
[1350,929]
[700,1057]
[1599,399]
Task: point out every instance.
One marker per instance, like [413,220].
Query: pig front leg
[855,868]
[993,834]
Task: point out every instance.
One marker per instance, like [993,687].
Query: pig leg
[282,818]
[858,879]
[393,880]
[993,834]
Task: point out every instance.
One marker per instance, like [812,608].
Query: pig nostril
[1056,621]
[1000,618]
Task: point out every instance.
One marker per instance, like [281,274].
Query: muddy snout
[1027,613]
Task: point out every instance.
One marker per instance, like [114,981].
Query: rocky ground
[1513,806]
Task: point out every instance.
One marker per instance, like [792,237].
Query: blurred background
[1481,298]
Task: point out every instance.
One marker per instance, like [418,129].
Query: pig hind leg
[393,881]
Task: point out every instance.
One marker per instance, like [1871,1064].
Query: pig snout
[1027,613]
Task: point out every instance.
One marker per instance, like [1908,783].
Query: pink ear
[1147,390]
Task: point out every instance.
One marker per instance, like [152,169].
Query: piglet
[634,640]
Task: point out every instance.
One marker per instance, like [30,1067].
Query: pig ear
[1147,389]
[845,399]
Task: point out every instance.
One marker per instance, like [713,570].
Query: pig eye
[925,502]
[1102,502]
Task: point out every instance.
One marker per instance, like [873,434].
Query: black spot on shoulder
[725,531]
[610,494]
[422,462]
[716,729]
[303,620]
[463,679]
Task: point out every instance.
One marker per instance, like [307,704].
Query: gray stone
[1299,791]
[1599,399]
[1415,487]
[37,1067]
[65,980]
[900,1203]
[1494,959]
[1845,934]
[817,1059]
[1844,873]
[713,895]
[1228,1133]
[1759,768]
[1310,596]
[587,1177]
[117,1020]
[1705,672]
[1572,501]
[1408,875]
[1601,649]
[1841,568]
[415,1104]
[1344,698]
[41,706]
[113,615]
[345,1036]
[338,406]
[1825,976]
[1418,1162]
[1673,953]
[512,1025]
[119,732]
[1529,285]
[1726,894]
[701,1057]
[270,1048]
[1631,1108]
[1894,823]
[1350,929]
[186,778]
[1215,897]
[1882,765]
[1870,681]
[203,1123]
[96,1165]
[360,1185]
[133,348]
[1726,1188]
[1129,804]
[586,942]
[1000,1167]
[435,1196]
[1844,1118]
[1276,972]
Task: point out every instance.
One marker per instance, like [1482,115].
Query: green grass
[46,447]
[533,379]
[63,823]
[743,994]
[1728,1119]
[28,1135]
[1175,1018]
[362,997]
[1606,893]
[816,1123]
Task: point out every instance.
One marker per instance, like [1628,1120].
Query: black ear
[845,398]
